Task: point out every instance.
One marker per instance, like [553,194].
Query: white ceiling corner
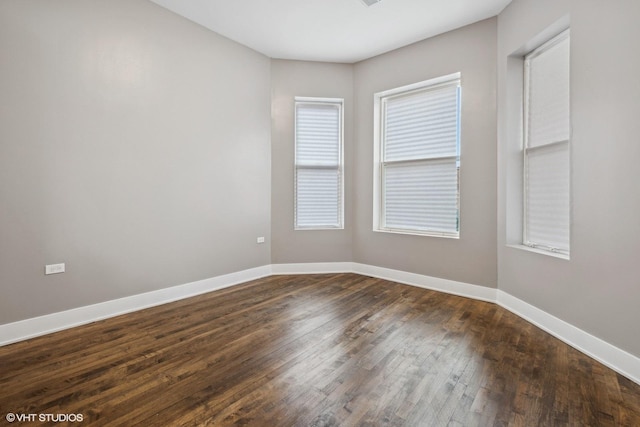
[331,30]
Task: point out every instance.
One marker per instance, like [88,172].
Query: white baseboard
[609,355]
[42,325]
[312,268]
[427,282]
[617,359]
[462,289]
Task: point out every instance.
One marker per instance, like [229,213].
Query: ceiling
[331,30]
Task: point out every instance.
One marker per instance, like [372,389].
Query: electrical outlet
[54,268]
[260,240]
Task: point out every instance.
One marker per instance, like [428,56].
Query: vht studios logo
[51,418]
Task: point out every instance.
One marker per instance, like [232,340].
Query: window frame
[526,149]
[339,102]
[379,148]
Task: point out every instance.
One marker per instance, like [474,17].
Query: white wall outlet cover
[54,268]
[260,240]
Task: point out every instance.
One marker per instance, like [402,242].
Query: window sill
[540,251]
[417,233]
[317,228]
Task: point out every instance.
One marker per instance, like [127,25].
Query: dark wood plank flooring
[314,350]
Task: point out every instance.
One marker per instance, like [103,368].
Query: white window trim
[526,244]
[378,182]
[339,169]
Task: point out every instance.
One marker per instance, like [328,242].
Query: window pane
[548,109]
[547,196]
[317,134]
[318,181]
[318,198]
[421,196]
[422,124]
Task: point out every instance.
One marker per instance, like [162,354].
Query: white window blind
[546,148]
[318,163]
[418,159]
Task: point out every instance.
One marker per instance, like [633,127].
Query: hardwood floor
[314,350]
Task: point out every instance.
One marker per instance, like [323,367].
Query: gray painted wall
[472,259]
[598,290]
[314,79]
[134,147]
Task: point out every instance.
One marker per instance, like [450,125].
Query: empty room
[328,213]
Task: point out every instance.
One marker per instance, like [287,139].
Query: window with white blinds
[417,155]
[546,221]
[318,163]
